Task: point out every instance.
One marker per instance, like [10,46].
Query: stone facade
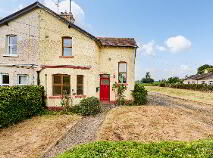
[40,52]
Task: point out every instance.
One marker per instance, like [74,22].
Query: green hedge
[19,103]
[195,87]
[140,94]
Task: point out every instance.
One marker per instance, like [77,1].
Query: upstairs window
[122,72]
[61,85]
[67,46]
[22,79]
[12,45]
[80,85]
[4,80]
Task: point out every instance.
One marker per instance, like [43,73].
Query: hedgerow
[195,87]
[19,103]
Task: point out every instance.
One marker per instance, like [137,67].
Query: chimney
[68,16]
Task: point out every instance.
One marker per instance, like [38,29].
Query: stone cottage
[41,47]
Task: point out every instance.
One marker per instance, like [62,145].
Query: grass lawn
[155,124]
[30,138]
[203,97]
[199,149]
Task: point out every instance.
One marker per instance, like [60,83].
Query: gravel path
[201,112]
[83,132]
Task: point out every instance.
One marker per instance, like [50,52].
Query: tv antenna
[57,4]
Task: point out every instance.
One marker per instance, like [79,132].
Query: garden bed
[30,138]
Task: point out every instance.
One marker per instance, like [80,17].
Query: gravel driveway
[83,132]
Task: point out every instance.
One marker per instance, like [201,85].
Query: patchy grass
[199,149]
[32,137]
[202,97]
[154,124]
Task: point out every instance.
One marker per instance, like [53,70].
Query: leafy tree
[147,78]
[202,68]
[173,80]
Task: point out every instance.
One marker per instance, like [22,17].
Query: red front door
[105,88]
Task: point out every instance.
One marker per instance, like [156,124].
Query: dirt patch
[201,97]
[153,124]
[31,137]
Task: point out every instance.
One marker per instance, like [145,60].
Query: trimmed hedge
[195,87]
[87,106]
[19,103]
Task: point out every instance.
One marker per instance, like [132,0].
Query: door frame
[109,86]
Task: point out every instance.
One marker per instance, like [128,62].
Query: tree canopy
[202,68]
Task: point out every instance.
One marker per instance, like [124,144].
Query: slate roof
[202,76]
[118,42]
[114,42]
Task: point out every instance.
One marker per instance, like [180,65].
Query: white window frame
[1,79]
[10,45]
[22,75]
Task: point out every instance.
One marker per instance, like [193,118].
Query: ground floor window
[4,80]
[22,79]
[122,72]
[61,85]
[80,85]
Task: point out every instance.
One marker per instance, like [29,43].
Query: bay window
[61,85]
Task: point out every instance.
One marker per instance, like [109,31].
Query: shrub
[119,90]
[88,106]
[19,103]
[139,94]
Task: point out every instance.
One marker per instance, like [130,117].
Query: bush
[88,106]
[139,94]
[197,149]
[19,103]
[195,87]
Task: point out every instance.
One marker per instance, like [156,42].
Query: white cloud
[178,44]
[64,5]
[20,6]
[148,49]
[174,45]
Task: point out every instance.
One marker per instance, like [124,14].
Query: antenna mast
[70,9]
[57,4]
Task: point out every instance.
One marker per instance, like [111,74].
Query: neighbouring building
[206,78]
[41,47]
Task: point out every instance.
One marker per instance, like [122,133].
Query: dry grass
[153,124]
[202,97]
[31,137]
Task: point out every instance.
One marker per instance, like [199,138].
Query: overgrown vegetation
[19,103]
[119,90]
[197,149]
[139,94]
[87,106]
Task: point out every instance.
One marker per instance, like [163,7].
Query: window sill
[8,55]
[60,97]
[66,56]
[125,84]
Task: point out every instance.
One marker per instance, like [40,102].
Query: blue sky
[176,35]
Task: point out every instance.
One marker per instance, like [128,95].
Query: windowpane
[80,79]
[67,51]
[5,79]
[61,85]
[67,42]
[80,85]
[122,78]
[66,80]
[66,90]
[122,67]
[57,90]
[23,79]
[13,40]
[57,80]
